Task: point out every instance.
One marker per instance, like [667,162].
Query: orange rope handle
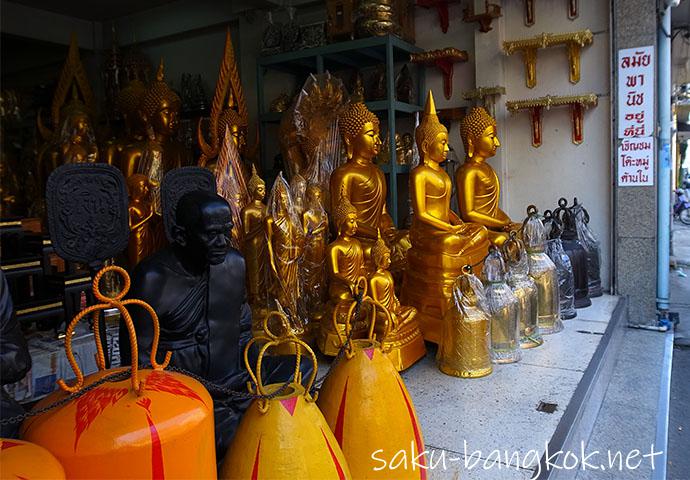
[362,285]
[285,323]
[388,323]
[114,302]
[299,344]
[246,358]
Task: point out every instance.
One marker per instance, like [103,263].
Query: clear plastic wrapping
[465,343]
[313,266]
[525,291]
[286,241]
[591,244]
[504,309]
[543,272]
[566,278]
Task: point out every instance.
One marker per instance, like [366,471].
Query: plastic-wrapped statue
[298,190]
[591,244]
[525,291]
[285,240]
[543,272]
[254,246]
[565,217]
[464,347]
[77,139]
[504,309]
[566,278]
[441,242]
[477,183]
[404,342]
[231,185]
[145,225]
[313,269]
[345,265]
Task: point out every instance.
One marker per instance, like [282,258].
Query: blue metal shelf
[361,53]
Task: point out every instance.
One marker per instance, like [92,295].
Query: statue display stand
[441,242]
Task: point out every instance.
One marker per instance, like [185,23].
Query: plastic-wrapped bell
[576,252]
[543,272]
[591,245]
[525,291]
[566,276]
[503,307]
[465,344]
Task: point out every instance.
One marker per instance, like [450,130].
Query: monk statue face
[367,143]
[204,225]
[438,149]
[485,146]
[165,121]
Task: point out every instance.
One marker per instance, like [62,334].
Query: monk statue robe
[477,183]
[364,184]
[197,288]
[345,266]
[441,242]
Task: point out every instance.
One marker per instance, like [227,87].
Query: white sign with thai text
[636,92]
[636,162]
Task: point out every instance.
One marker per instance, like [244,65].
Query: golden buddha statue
[119,150]
[160,111]
[254,241]
[228,110]
[285,240]
[404,342]
[315,226]
[77,139]
[345,265]
[145,226]
[298,190]
[363,183]
[465,343]
[476,182]
[441,242]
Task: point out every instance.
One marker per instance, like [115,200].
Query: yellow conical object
[21,459]
[430,107]
[285,437]
[366,403]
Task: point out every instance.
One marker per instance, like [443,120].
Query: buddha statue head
[360,131]
[160,106]
[381,253]
[478,133]
[256,186]
[431,135]
[203,227]
[139,188]
[314,196]
[237,127]
[128,102]
[345,216]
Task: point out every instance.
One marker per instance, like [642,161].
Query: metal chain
[210,386]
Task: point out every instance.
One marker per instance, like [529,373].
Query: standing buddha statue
[476,182]
[363,183]
[144,223]
[404,342]
[77,139]
[345,264]
[254,242]
[441,242]
[160,111]
[120,150]
[285,241]
[315,226]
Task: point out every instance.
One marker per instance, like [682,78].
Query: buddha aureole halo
[430,126]
[351,121]
[473,126]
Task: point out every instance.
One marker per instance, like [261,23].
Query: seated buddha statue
[363,183]
[345,266]
[404,343]
[77,138]
[441,242]
[476,182]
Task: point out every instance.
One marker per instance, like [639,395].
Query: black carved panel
[88,218]
[178,182]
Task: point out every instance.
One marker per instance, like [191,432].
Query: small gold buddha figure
[298,190]
[465,344]
[145,226]
[77,140]
[119,150]
[363,183]
[160,111]
[441,242]
[285,241]
[345,265]
[476,182]
[315,226]
[254,241]
[404,342]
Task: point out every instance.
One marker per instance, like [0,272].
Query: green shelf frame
[360,53]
